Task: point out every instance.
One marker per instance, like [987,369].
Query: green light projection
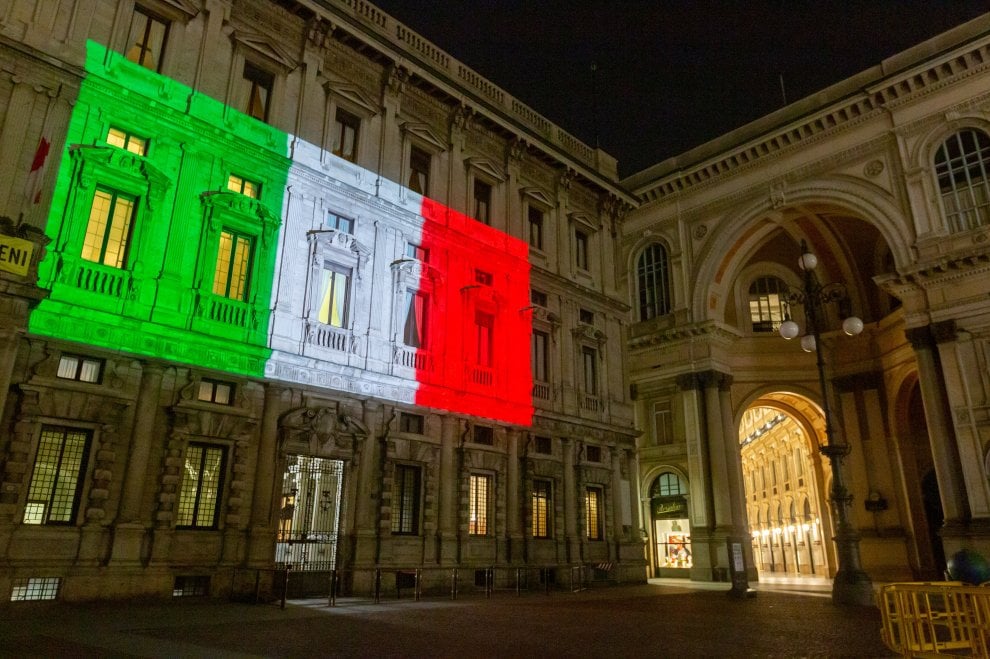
[140,205]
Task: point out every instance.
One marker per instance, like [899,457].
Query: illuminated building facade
[289,286]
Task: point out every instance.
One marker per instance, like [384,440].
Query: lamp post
[851,584]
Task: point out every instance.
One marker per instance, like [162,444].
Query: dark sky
[671,74]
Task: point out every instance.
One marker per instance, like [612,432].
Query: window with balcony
[484,325]
[653,282]
[146,39]
[414,329]
[539,357]
[479,502]
[589,361]
[542,505]
[333,295]
[346,128]
[230,277]
[961,170]
[405,499]
[108,232]
[201,486]
[767,306]
[57,477]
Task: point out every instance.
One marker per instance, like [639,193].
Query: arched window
[668,484]
[767,307]
[654,282]
[961,169]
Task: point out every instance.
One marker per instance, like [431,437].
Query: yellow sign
[15,254]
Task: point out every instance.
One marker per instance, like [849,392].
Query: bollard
[332,599]
[453,584]
[417,592]
[285,587]
[378,585]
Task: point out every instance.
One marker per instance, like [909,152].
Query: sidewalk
[667,620]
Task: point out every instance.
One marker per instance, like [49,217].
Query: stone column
[261,539]
[617,533]
[711,381]
[948,467]
[448,480]
[512,503]
[635,505]
[571,536]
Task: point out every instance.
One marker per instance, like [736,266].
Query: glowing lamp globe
[789,329]
[808,343]
[969,567]
[852,326]
[808,261]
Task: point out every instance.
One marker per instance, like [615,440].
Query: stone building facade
[293,287]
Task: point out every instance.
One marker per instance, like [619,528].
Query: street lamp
[851,584]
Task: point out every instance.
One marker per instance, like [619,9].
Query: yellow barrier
[936,619]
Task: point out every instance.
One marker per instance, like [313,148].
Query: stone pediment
[352,94]
[486,166]
[269,49]
[425,133]
[585,220]
[539,194]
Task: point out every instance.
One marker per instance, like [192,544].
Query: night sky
[671,74]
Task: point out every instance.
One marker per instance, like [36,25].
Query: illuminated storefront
[671,527]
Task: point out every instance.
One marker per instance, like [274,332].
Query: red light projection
[469,319]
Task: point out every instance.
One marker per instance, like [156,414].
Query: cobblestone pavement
[618,621]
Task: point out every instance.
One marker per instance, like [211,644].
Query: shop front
[672,536]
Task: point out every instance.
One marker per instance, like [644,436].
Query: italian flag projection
[167,216]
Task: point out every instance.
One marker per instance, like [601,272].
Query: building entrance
[310,513]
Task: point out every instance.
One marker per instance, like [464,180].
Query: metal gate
[307,527]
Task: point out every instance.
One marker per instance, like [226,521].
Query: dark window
[482,202]
[483,278]
[346,127]
[961,168]
[536,217]
[258,84]
[484,324]
[417,252]
[202,480]
[539,357]
[767,306]
[589,358]
[216,391]
[542,501]
[405,500]
[57,477]
[543,445]
[411,423]
[419,171]
[586,317]
[593,453]
[539,298]
[414,331]
[83,369]
[484,435]
[146,39]
[653,282]
[581,249]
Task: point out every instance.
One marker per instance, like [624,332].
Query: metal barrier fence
[936,619]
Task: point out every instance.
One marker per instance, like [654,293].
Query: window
[767,306]
[57,477]
[414,331]
[124,140]
[541,508]
[586,317]
[593,513]
[539,298]
[581,249]
[405,500]
[258,85]
[202,479]
[479,495]
[589,358]
[417,252]
[35,588]
[543,445]
[243,186]
[663,425]
[215,391]
[419,170]
[340,223]
[345,135]
[412,423]
[146,40]
[961,169]
[482,202]
[539,357]
[484,324]
[668,484]
[653,282]
[230,279]
[484,435]
[109,230]
[483,278]
[335,284]
[535,227]
[593,453]
[83,369]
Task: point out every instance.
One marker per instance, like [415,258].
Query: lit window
[345,135]
[589,358]
[541,508]
[335,285]
[215,391]
[419,171]
[539,358]
[482,202]
[484,328]
[35,588]
[340,223]
[57,477]
[411,423]
[243,186]
[109,229]
[230,279]
[146,39]
[202,479]
[414,331]
[484,435]
[961,168]
[767,307]
[258,85]
[653,282]
[405,500]
[417,252]
[83,369]
[124,140]
[593,513]
[479,495]
[535,228]
[581,250]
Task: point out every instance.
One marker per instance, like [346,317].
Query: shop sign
[669,508]
[15,254]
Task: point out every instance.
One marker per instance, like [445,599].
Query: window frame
[326,298]
[589,378]
[482,208]
[214,385]
[407,499]
[417,158]
[128,138]
[81,361]
[594,513]
[127,234]
[248,264]
[151,18]
[653,291]
[770,315]
[351,121]
[78,473]
[582,246]
[218,498]
[260,78]
[479,511]
[977,213]
[541,506]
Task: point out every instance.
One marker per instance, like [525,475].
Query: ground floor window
[673,543]
[310,513]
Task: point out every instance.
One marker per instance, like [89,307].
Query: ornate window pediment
[539,194]
[353,94]
[424,133]
[271,51]
[222,206]
[120,169]
[487,167]
[589,335]
[338,246]
[584,220]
